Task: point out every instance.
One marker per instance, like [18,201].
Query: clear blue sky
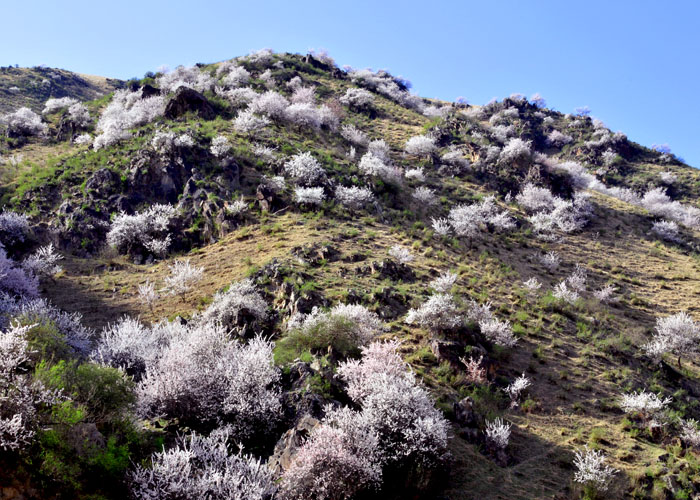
[634,63]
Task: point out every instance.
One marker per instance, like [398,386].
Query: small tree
[677,334]
[591,470]
[182,277]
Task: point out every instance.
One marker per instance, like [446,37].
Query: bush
[147,232]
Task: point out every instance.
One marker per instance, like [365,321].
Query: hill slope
[607,227]
[31,87]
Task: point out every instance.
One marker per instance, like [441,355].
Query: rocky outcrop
[187,100]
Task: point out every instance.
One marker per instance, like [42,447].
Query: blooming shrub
[145,232]
[16,281]
[515,389]
[183,76]
[182,277]
[357,98]
[43,262]
[241,301]
[444,282]
[556,138]
[421,145]
[425,196]
[14,228]
[309,195]
[438,313]
[677,334]
[402,254]
[516,150]
[304,169]
[591,470]
[352,134]
[240,96]
[202,467]
[270,103]
[354,197]
[373,165]
[220,147]
[54,104]
[646,403]
[200,376]
[345,327]
[469,221]
[126,110]
[498,433]
[23,122]
[395,408]
[247,121]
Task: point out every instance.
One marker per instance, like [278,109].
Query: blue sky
[634,63]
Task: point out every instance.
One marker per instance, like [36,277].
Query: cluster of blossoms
[591,469]
[677,334]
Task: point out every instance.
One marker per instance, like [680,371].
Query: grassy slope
[31,87]
[579,358]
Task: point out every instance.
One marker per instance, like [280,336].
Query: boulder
[187,100]
[289,443]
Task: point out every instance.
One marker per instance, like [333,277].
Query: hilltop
[31,87]
[521,257]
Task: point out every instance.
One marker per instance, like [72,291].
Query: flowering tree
[182,277]
[444,282]
[126,110]
[647,404]
[241,301]
[402,254]
[220,147]
[352,134]
[677,334]
[591,469]
[309,195]
[43,262]
[515,389]
[247,122]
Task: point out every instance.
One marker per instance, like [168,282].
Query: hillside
[31,87]
[328,209]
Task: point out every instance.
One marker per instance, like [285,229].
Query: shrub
[333,464]
[240,302]
[421,145]
[54,104]
[354,197]
[304,169]
[677,334]
[146,232]
[395,408]
[591,470]
[444,282]
[498,433]
[516,150]
[247,121]
[43,262]
[201,376]
[183,76]
[270,103]
[309,195]
[182,277]
[220,147]
[556,138]
[126,110]
[438,313]
[16,281]
[345,328]
[202,467]
[425,196]
[647,404]
[23,122]
[373,165]
[402,254]
[352,134]
[357,98]
[470,220]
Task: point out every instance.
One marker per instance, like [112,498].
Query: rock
[314,254]
[267,198]
[102,183]
[289,443]
[392,303]
[149,91]
[187,100]
[464,413]
[447,350]
[392,270]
